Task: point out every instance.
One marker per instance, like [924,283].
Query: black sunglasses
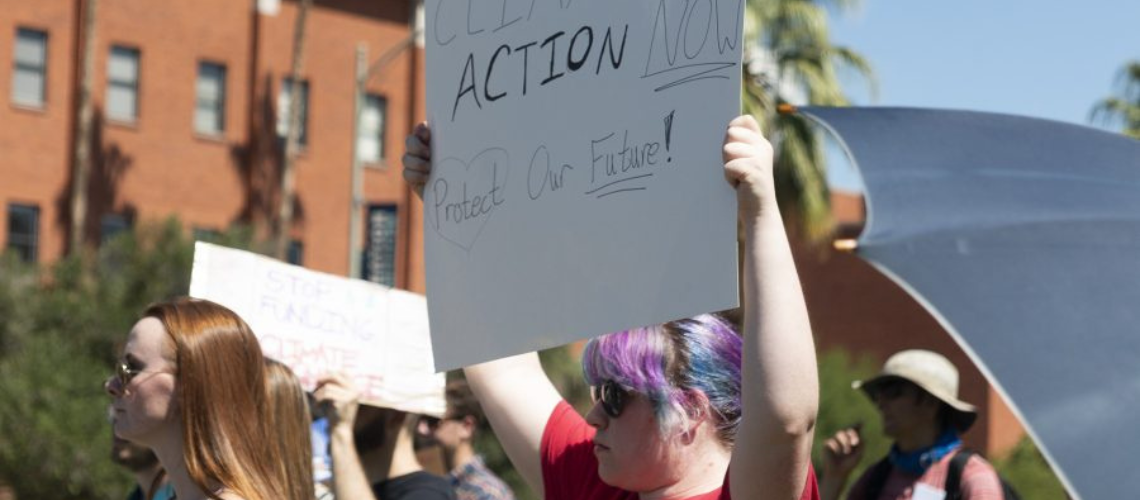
[612,396]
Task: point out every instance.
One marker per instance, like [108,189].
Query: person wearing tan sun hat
[916,394]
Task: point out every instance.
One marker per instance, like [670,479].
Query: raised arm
[515,392]
[517,398]
[780,382]
[342,401]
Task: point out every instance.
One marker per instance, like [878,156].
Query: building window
[24,231]
[370,135]
[210,110]
[296,253]
[283,100]
[380,252]
[123,84]
[30,74]
[112,225]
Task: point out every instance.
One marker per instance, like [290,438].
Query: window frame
[219,104]
[381,134]
[32,240]
[282,127]
[135,87]
[371,271]
[19,66]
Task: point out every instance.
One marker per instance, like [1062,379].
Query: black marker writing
[563,56]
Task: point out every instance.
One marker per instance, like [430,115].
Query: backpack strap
[877,478]
[954,474]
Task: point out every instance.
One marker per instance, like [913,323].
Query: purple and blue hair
[669,363]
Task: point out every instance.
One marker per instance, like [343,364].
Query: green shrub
[1027,471]
[61,328]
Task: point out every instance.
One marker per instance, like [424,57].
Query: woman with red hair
[191,386]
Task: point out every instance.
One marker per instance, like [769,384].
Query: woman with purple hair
[672,419]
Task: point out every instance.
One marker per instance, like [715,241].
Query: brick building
[190,102]
[188,99]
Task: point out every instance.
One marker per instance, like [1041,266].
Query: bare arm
[343,400]
[780,381]
[515,392]
[517,398]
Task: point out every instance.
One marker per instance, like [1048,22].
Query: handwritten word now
[677,50]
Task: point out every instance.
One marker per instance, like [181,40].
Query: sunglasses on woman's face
[612,396]
[125,374]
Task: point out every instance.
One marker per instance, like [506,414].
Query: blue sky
[1049,59]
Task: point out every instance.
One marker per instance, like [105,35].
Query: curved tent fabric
[1022,237]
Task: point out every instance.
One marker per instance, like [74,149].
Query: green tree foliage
[789,51]
[61,328]
[1027,471]
[1124,107]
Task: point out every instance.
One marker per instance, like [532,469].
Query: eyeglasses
[612,396]
[124,373]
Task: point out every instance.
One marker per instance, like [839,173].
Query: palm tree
[789,58]
[1124,107]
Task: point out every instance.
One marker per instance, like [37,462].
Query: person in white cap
[917,397]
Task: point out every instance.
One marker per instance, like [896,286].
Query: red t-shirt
[570,469]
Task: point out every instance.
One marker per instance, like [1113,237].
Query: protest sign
[318,323]
[577,184]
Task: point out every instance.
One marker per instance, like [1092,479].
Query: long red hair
[221,395]
[291,423]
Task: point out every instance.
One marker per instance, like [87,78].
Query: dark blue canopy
[1022,237]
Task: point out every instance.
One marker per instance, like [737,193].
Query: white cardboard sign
[317,323]
[577,185]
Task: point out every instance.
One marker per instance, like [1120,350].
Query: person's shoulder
[980,481]
[420,485]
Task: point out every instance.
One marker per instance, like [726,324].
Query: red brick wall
[35,145]
[159,166]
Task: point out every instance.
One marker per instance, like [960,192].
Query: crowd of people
[694,409]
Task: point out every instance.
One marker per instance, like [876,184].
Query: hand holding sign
[417,158]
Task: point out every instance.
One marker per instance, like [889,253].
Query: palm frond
[793,38]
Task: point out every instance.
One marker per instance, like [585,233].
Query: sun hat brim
[962,415]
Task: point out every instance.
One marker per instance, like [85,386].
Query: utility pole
[354,222]
[288,177]
[364,72]
[81,157]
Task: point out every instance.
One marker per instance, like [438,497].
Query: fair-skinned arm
[515,392]
[780,383]
[342,399]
